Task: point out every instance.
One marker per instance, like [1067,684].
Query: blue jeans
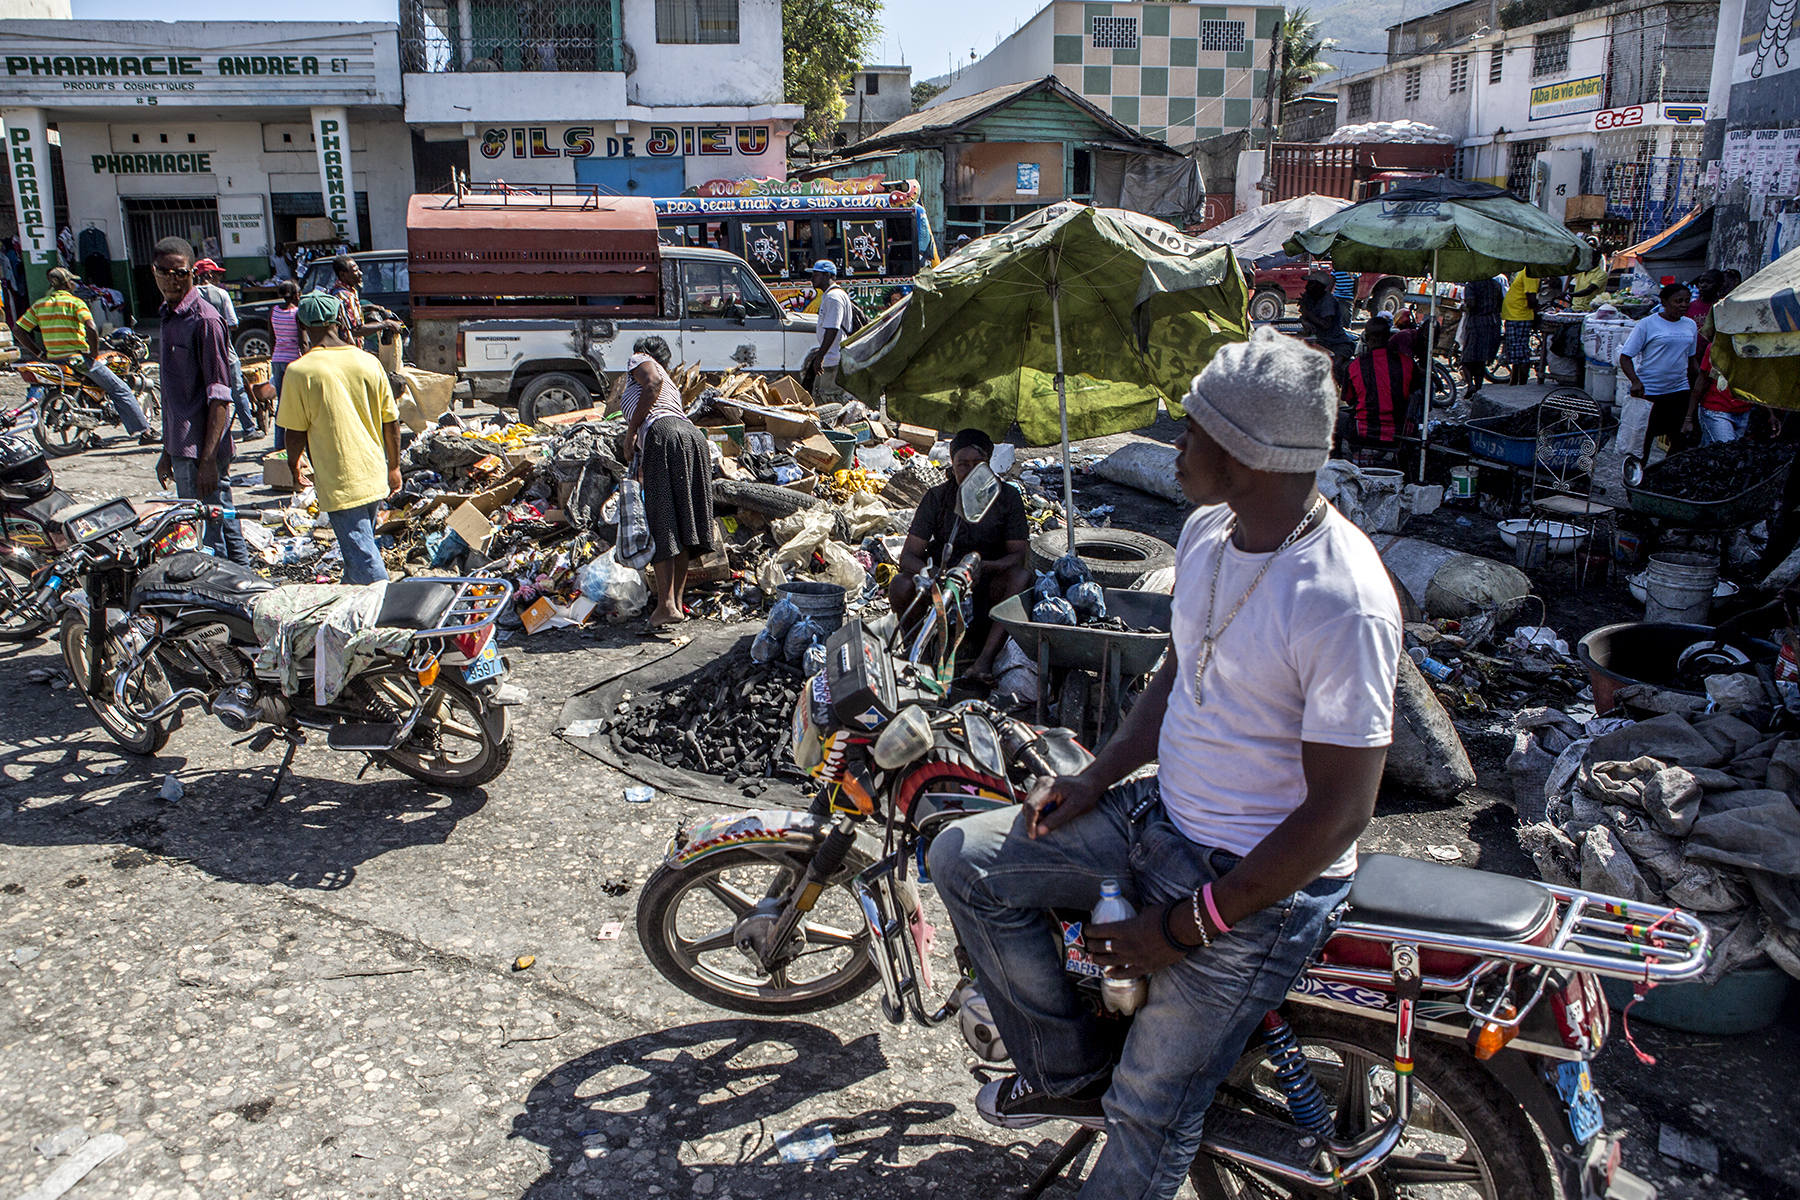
[1722,426]
[276,372]
[240,398]
[355,529]
[226,538]
[998,884]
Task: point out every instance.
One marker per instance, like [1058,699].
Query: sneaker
[1012,1103]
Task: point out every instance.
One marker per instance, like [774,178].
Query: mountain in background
[1361,25]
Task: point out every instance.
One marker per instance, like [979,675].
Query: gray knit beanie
[1270,402]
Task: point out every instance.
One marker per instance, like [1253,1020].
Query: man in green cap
[338,411]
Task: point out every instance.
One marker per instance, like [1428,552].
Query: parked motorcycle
[71,409]
[31,537]
[150,635]
[1449,1011]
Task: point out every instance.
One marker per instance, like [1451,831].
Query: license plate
[1576,1087]
[486,665]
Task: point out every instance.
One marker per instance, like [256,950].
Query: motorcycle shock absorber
[1293,1074]
[825,862]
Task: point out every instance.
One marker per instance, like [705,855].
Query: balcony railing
[516,35]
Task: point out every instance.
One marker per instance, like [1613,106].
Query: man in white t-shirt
[834,327]
[1270,723]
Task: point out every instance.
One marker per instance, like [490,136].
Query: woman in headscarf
[670,457]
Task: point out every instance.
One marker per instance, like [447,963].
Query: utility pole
[1277,53]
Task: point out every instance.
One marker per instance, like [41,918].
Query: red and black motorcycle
[1448,1019]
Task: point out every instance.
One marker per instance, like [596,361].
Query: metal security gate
[147,222]
[1648,189]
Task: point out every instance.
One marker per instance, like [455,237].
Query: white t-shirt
[1659,350]
[834,313]
[1310,658]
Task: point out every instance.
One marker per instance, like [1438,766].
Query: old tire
[717,973]
[765,498]
[1268,305]
[1115,557]
[1468,1134]
[553,393]
[1389,298]
[254,341]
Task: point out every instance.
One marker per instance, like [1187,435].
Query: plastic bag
[1054,611]
[1070,570]
[615,589]
[635,546]
[841,567]
[1046,587]
[867,514]
[804,633]
[766,647]
[1088,601]
[802,533]
[814,658]
[782,618]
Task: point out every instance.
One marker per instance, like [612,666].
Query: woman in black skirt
[672,461]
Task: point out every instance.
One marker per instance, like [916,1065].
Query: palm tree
[1301,48]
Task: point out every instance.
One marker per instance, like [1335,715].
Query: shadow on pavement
[697,1110]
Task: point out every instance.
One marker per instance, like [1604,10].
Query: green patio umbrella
[1444,229]
[1756,342]
[1073,321]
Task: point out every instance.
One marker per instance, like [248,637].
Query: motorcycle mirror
[978,493]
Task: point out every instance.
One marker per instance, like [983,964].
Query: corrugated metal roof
[952,115]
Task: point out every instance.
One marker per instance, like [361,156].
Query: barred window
[1359,99]
[1115,33]
[1223,36]
[1496,65]
[1412,83]
[1550,53]
[1459,74]
[696,22]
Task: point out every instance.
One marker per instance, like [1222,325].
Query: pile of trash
[1066,594]
[1386,131]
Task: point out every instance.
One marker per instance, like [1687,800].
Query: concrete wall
[685,75]
[893,100]
[538,96]
[1749,231]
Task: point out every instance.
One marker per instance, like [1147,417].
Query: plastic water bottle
[1123,996]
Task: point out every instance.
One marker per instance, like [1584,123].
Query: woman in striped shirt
[285,323]
[670,457]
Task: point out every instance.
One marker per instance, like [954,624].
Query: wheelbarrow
[1113,656]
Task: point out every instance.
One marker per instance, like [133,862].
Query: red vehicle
[1273,288]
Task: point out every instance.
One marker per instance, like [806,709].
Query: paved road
[319,1000]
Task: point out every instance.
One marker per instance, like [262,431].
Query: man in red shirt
[1378,387]
[1720,416]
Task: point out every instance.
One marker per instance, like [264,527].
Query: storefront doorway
[148,221]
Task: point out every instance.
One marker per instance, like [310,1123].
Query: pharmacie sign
[99,73]
[1568,97]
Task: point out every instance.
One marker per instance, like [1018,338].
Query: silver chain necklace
[1211,640]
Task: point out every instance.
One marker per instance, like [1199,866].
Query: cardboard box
[546,614]
[713,567]
[816,453]
[918,437]
[806,485]
[789,389]
[314,229]
[538,615]
[276,472]
[471,525]
[1584,208]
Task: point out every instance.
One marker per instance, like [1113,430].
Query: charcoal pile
[732,723]
[1523,423]
[1716,472]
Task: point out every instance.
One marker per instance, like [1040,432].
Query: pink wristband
[1212,910]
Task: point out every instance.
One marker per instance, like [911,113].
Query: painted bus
[875,230]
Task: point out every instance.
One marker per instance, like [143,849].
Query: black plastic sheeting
[688,664]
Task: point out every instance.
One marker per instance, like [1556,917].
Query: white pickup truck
[538,301]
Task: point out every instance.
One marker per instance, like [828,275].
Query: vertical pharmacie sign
[28,157]
[331,134]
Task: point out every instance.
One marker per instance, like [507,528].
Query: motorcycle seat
[415,604]
[45,511]
[1434,898]
[191,577]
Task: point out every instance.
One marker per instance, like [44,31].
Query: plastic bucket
[1462,482]
[1679,588]
[823,602]
[845,443]
[1532,549]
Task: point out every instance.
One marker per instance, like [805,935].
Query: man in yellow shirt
[61,327]
[1518,316]
[338,410]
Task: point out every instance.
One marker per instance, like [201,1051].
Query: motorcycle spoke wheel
[1465,1140]
[20,618]
[688,923]
[149,688]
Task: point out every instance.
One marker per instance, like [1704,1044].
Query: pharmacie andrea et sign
[51,72]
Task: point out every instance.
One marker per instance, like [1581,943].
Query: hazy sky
[923,33]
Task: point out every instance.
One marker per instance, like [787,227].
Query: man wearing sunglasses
[196,392]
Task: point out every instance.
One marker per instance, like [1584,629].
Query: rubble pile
[1689,809]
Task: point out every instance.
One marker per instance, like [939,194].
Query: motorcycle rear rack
[480,599]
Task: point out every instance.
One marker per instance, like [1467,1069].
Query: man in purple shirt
[196,396]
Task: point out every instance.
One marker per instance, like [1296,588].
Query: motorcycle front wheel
[151,689]
[57,429]
[1467,1138]
[20,616]
[687,921]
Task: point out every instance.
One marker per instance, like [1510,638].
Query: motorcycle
[32,538]
[70,408]
[150,633]
[1448,1017]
